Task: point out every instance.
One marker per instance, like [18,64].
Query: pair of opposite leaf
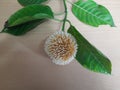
[63,47]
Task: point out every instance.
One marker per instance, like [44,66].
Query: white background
[25,66]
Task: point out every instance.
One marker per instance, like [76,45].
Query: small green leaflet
[88,56]
[30,2]
[30,13]
[91,13]
[23,28]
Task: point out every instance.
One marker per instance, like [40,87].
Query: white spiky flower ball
[61,47]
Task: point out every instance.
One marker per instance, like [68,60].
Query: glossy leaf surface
[30,13]
[91,13]
[23,28]
[30,2]
[88,56]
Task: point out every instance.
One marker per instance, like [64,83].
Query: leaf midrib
[91,52]
[32,18]
[94,56]
[89,12]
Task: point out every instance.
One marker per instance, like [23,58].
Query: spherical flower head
[61,47]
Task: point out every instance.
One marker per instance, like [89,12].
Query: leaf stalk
[66,13]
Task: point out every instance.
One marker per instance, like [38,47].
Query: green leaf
[88,56]
[30,13]
[91,13]
[23,28]
[30,2]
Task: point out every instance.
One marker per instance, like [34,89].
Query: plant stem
[58,20]
[65,18]
[57,14]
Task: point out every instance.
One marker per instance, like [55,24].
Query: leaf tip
[113,25]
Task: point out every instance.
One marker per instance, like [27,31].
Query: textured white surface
[61,55]
[25,66]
